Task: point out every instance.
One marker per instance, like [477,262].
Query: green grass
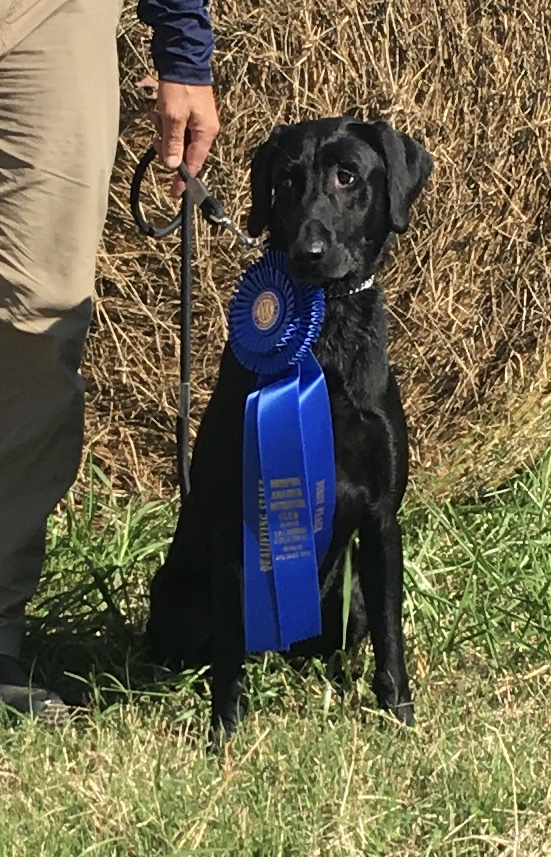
[314,770]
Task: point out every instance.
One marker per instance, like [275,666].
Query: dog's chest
[356,372]
[355,436]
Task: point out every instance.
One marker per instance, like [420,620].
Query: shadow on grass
[86,625]
[86,631]
[99,660]
[102,661]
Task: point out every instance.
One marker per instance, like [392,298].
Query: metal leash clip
[210,208]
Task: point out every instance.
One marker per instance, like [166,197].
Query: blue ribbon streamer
[289,503]
[288,469]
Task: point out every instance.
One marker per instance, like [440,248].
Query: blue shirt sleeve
[183,41]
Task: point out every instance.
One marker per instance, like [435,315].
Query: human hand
[186,121]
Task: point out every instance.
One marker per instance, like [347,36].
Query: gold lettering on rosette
[265,310]
[319,512]
[286,498]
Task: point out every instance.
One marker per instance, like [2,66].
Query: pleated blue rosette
[273,322]
[288,454]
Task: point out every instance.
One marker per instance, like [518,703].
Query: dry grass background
[469,287]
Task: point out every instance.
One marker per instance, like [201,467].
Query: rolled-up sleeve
[183,41]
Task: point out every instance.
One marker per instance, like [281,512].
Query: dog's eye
[344,178]
[286,182]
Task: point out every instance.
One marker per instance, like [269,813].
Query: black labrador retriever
[332,194]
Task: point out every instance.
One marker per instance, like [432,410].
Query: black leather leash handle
[210,208]
[136,207]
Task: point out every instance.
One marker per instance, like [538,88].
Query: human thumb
[173,141]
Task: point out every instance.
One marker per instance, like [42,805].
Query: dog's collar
[367,284]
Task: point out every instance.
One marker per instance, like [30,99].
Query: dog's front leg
[228,701]
[381,574]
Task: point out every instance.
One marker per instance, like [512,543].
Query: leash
[196,193]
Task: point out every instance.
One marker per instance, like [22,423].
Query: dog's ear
[262,183]
[408,166]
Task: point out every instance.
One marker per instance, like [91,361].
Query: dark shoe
[19,695]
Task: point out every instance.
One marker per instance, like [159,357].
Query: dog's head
[332,191]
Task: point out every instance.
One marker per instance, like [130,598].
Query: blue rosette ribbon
[288,454]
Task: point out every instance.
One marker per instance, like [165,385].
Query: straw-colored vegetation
[469,287]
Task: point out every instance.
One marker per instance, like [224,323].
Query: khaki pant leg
[58,128]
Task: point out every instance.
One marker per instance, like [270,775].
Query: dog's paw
[394,697]
[217,741]
[404,712]
[223,726]
[220,733]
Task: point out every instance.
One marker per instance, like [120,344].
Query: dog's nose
[310,251]
[315,250]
